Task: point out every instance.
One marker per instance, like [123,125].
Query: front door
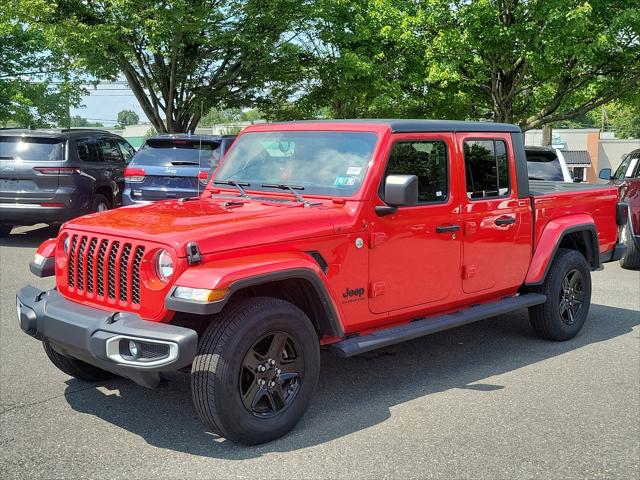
[415,252]
[496,224]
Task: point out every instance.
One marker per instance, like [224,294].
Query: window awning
[577,158]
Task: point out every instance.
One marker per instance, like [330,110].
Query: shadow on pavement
[28,237]
[353,394]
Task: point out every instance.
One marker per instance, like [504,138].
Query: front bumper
[100,338]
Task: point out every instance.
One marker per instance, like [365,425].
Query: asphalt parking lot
[489,400]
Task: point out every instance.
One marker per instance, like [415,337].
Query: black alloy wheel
[271,375]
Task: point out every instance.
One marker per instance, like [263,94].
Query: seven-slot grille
[104,269]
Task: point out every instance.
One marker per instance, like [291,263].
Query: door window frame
[448,141]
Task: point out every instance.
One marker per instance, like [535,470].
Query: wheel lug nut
[272,362]
[278,371]
[261,381]
[271,384]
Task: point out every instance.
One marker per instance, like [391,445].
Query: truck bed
[553,200]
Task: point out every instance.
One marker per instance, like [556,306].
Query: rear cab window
[544,166]
[32,148]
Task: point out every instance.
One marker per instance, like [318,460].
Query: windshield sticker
[345,181]
[354,170]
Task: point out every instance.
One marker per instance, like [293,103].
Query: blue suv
[173,166]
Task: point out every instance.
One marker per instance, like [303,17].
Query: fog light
[133,349]
[200,294]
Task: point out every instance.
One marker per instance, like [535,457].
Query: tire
[5,229]
[558,319]
[100,203]
[74,367]
[234,349]
[631,259]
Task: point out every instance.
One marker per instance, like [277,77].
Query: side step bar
[426,326]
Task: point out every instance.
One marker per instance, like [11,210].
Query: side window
[425,159]
[126,150]
[87,150]
[633,170]
[486,169]
[622,168]
[108,150]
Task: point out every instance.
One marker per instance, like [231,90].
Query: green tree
[37,84]
[532,62]
[180,57]
[127,117]
[78,121]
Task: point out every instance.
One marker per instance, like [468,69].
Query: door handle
[506,220]
[447,228]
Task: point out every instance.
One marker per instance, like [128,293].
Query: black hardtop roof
[419,125]
[56,133]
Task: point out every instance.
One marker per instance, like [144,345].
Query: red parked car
[351,234]
[627,179]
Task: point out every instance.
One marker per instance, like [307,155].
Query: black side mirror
[399,191]
[605,174]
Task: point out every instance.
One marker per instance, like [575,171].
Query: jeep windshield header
[320,162]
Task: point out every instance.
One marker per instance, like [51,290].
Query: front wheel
[631,259]
[256,370]
[568,291]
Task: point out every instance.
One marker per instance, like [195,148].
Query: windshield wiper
[292,189]
[184,162]
[238,185]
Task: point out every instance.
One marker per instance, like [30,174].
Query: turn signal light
[200,294]
[134,174]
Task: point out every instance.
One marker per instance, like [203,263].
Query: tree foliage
[78,121]
[531,62]
[127,117]
[37,84]
[180,57]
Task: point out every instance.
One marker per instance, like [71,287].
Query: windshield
[318,162]
[544,169]
[29,148]
[176,152]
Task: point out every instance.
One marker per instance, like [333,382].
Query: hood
[214,224]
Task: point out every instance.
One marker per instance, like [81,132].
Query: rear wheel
[256,370]
[568,291]
[74,367]
[100,203]
[631,259]
[5,229]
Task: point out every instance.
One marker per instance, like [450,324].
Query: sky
[103,104]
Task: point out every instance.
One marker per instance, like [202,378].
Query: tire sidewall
[569,260]
[233,414]
[97,200]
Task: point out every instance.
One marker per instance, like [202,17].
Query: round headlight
[65,245]
[164,265]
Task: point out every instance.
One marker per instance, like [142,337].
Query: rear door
[496,224]
[28,168]
[171,168]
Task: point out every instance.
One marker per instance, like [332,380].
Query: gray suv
[51,176]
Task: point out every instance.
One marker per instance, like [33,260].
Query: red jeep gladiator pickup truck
[355,235]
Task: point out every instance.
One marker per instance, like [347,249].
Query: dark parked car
[51,176]
[627,179]
[173,166]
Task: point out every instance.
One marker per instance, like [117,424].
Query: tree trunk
[546,135]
